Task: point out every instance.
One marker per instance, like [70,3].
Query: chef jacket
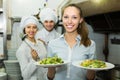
[78,52]
[47,36]
[28,68]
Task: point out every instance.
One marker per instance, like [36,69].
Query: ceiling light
[97,1]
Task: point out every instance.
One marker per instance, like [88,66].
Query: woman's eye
[65,16]
[28,26]
[34,26]
[74,17]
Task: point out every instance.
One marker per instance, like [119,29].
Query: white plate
[108,66]
[50,65]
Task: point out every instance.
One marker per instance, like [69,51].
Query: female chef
[30,50]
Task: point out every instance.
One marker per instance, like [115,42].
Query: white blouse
[78,52]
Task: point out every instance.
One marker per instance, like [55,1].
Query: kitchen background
[11,12]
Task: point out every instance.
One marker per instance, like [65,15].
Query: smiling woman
[73,45]
[35,49]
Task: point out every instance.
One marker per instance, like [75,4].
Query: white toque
[48,14]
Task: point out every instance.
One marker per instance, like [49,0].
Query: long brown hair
[82,28]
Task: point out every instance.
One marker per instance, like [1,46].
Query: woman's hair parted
[82,28]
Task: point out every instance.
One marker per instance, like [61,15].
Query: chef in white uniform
[48,18]
[30,50]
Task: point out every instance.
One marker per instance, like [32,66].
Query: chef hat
[48,14]
[27,20]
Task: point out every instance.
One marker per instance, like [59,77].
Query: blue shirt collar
[77,38]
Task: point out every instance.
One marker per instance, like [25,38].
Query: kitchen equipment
[3,76]
[13,69]
[112,74]
[115,73]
